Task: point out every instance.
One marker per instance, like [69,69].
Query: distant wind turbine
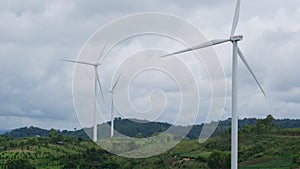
[112,91]
[96,81]
[236,51]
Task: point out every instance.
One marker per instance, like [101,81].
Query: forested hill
[133,127]
[38,132]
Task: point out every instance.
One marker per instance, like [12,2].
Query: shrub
[219,160]
[17,164]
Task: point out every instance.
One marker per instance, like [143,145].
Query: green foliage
[219,160]
[70,165]
[248,129]
[201,159]
[131,127]
[296,161]
[265,125]
[270,147]
[18,164]
[95,155]
[111,164]
[38,132]
[187,154]
[139,135]
[52,133]
[268,163]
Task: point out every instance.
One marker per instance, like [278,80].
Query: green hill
[260,146]
[132,127]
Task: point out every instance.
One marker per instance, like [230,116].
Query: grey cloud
[36,88]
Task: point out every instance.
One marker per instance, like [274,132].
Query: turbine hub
[236,38]
[96,64]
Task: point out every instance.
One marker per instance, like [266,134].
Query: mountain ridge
[132,127]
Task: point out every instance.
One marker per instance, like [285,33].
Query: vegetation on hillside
[134,127]
[261,145]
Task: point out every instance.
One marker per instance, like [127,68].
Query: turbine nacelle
[236,38]
[96,64]
[111,91]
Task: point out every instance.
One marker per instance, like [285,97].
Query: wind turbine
[112,91]
[234,39]
[96,80]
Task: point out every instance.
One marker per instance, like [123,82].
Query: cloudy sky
[36,88]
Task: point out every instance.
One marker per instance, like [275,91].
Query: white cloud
[35,86]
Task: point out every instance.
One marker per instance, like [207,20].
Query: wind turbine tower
[96,81]
[234,39]
[112,91]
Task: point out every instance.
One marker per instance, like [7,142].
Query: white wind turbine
[96,80]
[112,91]
[236,51]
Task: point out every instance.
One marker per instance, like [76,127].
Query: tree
[59,137]
[17,164]
[70,165]
[139,135]
[111,163]
[265,125]
[22,145]
[12,144]
[269,121]
[55,137]
[52,133]
[219,160]
[248,129]
[32,141]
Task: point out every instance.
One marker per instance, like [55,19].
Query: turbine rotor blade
[102,51]
[251,72]
[236,17]
[116,83]
[99,83]
[79,62]
[200,46]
